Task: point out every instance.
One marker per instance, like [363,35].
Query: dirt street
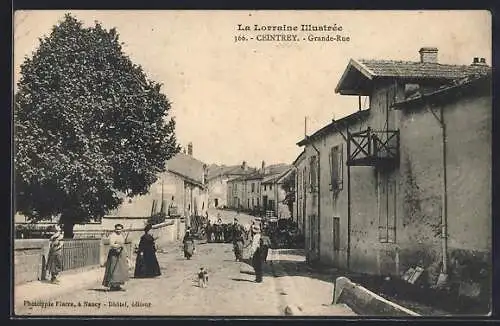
[230,292]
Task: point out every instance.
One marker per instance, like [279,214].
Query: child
[202,278]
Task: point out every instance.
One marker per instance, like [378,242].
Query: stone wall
[29,259]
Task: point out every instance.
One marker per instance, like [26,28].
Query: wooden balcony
[373,148]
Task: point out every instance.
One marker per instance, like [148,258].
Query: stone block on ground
[365,302]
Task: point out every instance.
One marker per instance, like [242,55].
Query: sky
[247,101]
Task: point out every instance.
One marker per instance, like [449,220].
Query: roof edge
[443,91]
[342,121]
[358,66]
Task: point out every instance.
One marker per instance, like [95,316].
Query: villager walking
[146,264]
[116,273]
[256,254]
[219,233]
[54,261]
[209,231]
[265,245]
[188,243]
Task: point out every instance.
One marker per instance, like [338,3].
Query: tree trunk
[67,228]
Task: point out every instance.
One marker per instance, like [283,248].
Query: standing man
[219,233]
[256,253]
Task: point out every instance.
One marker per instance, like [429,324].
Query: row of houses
[405,182]
[217,181]
[182,186]
[260,191]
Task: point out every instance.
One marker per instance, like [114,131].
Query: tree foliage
[89,126]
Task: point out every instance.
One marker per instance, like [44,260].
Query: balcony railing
[373,148]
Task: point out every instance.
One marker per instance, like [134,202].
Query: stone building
[390,188]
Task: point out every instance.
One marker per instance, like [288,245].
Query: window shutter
[312,174]
[334,172]
[340,166]
[331,159]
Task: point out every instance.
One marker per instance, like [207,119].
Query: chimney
[190,149]
[478,62]
[428,55]
[263,167]
[244,165]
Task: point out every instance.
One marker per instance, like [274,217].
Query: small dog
[202,278]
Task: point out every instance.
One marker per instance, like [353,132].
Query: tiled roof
[482,80]
[412,69]
[274,170]
[277,168]
[187,166]
[216,171]
[359,74]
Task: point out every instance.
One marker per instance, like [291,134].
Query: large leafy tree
[90,127]
[288,186]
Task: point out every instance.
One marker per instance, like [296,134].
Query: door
[313,237]
[336,240]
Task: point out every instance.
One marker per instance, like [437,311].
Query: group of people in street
[259,246]
[116,268]
[146,265]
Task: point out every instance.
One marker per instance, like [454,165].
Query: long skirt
[188,249]
[146,265]
[116,272]
[54,263]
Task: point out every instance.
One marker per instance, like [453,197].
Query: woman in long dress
[188,243]
[116,273]
[54,261]
[146,264]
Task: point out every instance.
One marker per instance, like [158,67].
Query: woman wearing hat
[256,253]
[188,243]
[116,273]
[146,264]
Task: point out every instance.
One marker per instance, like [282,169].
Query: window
[313,177]
[336,167]
[253,187]
[270,187]
[253,202]
[264,187]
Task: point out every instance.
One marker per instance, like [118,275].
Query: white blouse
[116,240]
[255,244]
